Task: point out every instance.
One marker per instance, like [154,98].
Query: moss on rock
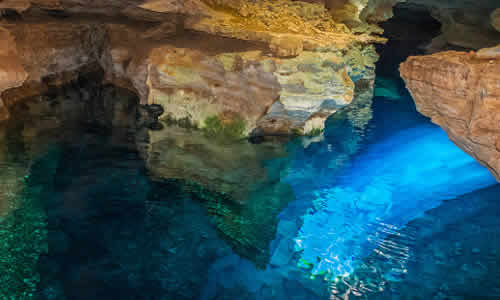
[225,128]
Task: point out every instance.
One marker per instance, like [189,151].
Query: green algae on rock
[224,129]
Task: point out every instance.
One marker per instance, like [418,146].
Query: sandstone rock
[460,93]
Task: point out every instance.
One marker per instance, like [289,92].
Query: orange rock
[461,94]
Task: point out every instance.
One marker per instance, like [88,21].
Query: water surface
[382,205]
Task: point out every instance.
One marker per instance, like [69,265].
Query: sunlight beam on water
[388,185]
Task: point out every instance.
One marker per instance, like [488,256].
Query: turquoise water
[381,206]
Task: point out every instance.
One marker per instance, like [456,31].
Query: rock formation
[280,66]
[465,24]
[460,92]
[495,19]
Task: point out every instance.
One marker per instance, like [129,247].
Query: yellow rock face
[267,20]
[207,58]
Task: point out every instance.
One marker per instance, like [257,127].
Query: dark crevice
[408,32]
[83,104]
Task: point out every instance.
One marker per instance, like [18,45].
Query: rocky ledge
[266,67]
[460,91]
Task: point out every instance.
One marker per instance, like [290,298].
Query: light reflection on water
[388,184]
[355,233]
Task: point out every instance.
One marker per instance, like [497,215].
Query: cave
[216,149]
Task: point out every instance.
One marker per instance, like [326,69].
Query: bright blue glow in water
[378,198]
[391,183]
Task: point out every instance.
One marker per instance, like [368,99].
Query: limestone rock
[377,10]
[193,85]
[275,64]
[495,19]
[197,76]
[489,53]
[466,29]
[264,20]
[466,24]
[286,46]
[12,73]
[460,93]
[41,54]
[17,5]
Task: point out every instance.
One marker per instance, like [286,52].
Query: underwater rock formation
[460,92]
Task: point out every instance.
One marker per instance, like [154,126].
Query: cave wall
[465,24]
[281,66]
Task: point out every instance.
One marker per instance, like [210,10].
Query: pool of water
[380,206]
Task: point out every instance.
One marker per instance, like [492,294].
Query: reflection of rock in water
[234,169]
[11,177]
[28,162]
[241,183]
[347,128]
[344,135]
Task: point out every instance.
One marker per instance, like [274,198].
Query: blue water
[389,183]
[382,206]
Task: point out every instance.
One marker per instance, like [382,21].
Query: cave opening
[409,32]
[85,103]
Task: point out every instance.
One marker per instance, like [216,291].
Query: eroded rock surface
[495,19]
[198,59]
[460,92]
[39,55]
[465,24]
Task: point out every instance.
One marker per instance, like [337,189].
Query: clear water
[382,206]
